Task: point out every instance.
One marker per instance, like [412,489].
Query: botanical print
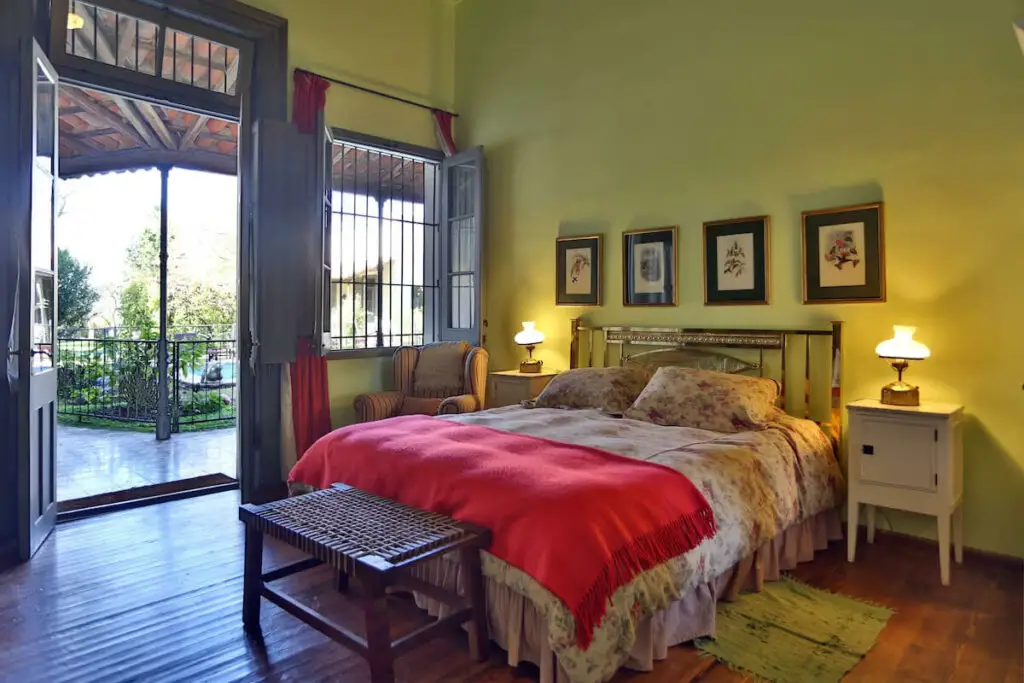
[735,262]
[578,268]
[648,268]
[840,255]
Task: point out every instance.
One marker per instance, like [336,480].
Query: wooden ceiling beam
[152,117]
[188,140]
[78,145]
[131,114]
[103,115]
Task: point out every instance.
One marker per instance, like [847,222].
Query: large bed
[773,491]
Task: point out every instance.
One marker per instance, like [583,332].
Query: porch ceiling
[102,132]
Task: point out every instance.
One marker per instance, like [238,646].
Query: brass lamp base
[900,394]
[530,367]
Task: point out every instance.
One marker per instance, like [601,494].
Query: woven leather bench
[374,540]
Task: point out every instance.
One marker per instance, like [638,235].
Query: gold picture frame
[646,280]
[759,292]
[855,266]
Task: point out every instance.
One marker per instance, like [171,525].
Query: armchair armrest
[457,405]
[377,406]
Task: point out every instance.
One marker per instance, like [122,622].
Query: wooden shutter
[462,221]
[285,220]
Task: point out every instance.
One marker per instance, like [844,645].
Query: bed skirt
[517,627]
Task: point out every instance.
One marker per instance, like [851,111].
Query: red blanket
[580,521]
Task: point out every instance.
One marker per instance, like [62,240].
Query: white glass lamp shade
[902,345]
[529,335]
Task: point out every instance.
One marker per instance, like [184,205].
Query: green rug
[792,633]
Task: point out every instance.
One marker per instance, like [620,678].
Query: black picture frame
[853,269]
[663,260]
[566,247]
[747,263]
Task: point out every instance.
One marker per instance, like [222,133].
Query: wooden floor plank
[154,594]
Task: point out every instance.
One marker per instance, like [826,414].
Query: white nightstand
[908,458]
[509,387]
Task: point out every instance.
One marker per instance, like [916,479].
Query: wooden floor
[153,594]
[96,461]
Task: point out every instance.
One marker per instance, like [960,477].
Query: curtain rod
[378,93]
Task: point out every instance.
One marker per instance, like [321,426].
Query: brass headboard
[808,358]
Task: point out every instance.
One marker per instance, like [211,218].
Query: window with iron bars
[384,247]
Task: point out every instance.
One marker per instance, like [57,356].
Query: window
[134,42]
[384,245]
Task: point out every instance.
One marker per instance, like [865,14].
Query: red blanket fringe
[628,562]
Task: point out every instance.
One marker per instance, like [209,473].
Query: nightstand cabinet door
[897,453]
[509,388]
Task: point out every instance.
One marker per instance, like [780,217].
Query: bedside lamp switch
[867,450]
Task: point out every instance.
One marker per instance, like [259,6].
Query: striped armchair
[460,391]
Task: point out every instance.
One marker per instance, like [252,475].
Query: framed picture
[578,271]
[736,261]
[844,254]
[649,271]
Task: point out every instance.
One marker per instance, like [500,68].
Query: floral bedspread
[758,483]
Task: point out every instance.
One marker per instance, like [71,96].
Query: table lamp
[899,351]
[529,337]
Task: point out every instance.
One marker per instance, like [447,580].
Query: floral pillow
[703,399]
[611,390]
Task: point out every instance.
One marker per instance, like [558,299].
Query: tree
[199,304]
[76,296]
[137,310]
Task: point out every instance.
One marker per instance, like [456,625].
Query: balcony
[109,406]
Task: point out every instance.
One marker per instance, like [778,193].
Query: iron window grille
[384,246]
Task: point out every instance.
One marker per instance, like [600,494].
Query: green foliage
[143,256]
[192,304]
[76,296]
[137,309]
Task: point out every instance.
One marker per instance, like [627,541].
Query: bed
[774,493]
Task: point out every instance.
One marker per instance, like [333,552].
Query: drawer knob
[867,450]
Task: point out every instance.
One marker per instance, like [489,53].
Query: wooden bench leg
[252,580]
[478,639]
[378,634]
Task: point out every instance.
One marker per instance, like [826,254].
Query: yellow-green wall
[403,47]
[601,116]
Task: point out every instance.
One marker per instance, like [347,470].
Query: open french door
[32,366]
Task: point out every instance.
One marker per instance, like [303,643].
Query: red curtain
[311,404]
[308,100]
[443,127]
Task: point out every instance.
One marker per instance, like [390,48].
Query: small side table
[510,387]
[375,540]
[908,458]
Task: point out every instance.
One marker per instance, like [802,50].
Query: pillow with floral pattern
[611,390]
[704,399]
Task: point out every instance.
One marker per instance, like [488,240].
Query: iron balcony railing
[117,379]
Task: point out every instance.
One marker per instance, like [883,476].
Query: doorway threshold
[78,508]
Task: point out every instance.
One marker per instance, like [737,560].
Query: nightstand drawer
[896,453]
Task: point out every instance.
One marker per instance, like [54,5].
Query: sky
[104,214]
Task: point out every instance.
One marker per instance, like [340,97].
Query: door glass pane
[43,171]
[46,93]
[462,313]
[42,219]
[42,322]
